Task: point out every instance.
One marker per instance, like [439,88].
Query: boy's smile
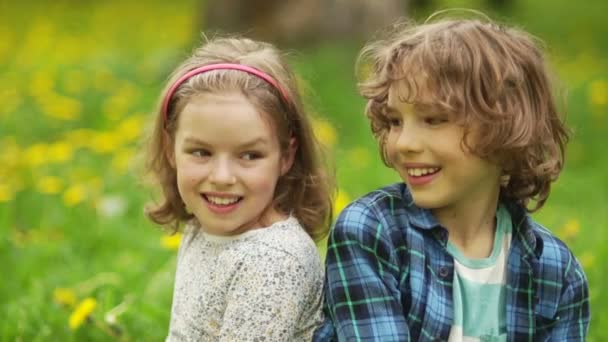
[419,174]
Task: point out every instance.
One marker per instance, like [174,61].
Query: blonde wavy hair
[305,191]
[492,78]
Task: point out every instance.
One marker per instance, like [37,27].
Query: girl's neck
[471,225]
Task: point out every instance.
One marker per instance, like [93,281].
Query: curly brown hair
[305,191]
[491,77]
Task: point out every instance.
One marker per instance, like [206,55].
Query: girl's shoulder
[285,240]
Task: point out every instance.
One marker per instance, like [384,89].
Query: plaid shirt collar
[422,218]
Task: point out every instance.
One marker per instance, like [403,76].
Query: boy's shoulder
[384,211]
[555,266]
[551,252]
[389,197]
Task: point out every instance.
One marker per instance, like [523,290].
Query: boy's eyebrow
[390,109]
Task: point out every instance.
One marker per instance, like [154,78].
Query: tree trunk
[302,21]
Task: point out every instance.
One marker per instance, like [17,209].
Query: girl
[237,162]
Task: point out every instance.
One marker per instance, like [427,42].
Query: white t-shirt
[479,289]
[264,285]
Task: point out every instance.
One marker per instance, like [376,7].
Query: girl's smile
[221,203]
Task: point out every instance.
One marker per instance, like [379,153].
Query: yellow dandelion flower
[104,142]
[61,107]
[79,137]
[122,161]
[74,82]
[570,229]
[587,260]
[60,152]
[104,80]
[74,195]
[171,242]
[598,93]
[130,129]
[42,83]
[6,193]
[325,132]
[117,105]
[359,157]
[49,185]
[341,201]
[36,155]
[10,99]
[64,296]
[94,184]
[11,154]
[7,42]
[82,312]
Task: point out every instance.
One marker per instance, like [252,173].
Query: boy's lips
[420,174]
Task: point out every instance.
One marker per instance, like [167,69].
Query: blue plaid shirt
[389,277]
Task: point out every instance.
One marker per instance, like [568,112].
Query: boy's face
[426,149]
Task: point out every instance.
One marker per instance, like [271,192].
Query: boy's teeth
[222,200]
[421,171]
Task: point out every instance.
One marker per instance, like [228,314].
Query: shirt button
[444,272]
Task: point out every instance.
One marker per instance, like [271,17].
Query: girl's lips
[221,208]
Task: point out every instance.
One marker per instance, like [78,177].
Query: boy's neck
[471,226]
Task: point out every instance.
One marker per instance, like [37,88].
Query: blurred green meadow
[78,85]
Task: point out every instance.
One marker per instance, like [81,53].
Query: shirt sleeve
[266,299]
[362,280]
[573,310]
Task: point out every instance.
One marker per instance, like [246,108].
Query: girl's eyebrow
[254,142]
[194,141]
[251,143]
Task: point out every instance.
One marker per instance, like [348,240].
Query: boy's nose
[408,141]
[222,173]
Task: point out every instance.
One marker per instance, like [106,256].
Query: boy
[463,111]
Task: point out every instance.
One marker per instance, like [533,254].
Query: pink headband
[219,66]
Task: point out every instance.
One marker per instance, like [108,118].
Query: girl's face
[426,150]
[228,161]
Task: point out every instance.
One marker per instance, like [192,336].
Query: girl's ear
[289,156]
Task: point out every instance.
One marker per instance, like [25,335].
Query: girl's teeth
[222,200]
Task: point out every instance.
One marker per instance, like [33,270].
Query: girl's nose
[222,173]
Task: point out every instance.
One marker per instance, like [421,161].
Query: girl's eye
[200,153]
[251,155]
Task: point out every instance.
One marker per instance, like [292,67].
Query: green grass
[58,236]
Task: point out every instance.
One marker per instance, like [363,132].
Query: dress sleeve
[266,299]
[362,290]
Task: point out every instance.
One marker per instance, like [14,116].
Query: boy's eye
[435,120]
[394,122]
